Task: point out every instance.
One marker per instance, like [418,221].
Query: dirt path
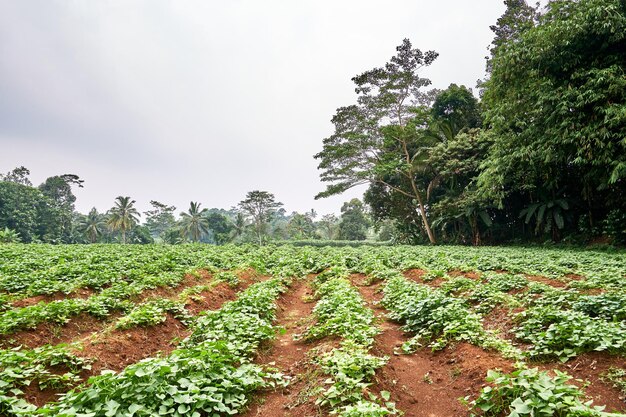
[288,355]
[426,384]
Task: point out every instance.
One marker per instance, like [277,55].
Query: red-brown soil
[190,280]
[84,324]
[574,277]
[501,319]
[213,298]
[467,274]
[538,278]
[545,280]
[417,276]
[31,301]
[427,384]
[414,274]
[289,356]
[51,333]
[119,348]
[39,397]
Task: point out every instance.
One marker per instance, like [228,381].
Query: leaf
[520,407]
[485,218]
[558,219]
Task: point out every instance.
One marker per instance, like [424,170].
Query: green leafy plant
[617,377]
[341,312]
[9,236]
[350,369]
[228,277]
[530,392]
[565,333]
[433,316]
[211,373]
[47,367]
[154,312]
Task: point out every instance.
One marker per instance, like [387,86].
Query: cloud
[206,100]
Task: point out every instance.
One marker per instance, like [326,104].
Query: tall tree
[123,216]
[328,226]
[354,221]
[220,227]
[456,107]
[194,222]
[456,208]
[92,225]
[239,226]
[18,175]
[301,226]
[517,18]
[28,212]
[259,206]
[160,219]
[59,190]
[380,140]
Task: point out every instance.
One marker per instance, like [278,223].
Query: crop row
[210,373]
[27,270]
[341,313]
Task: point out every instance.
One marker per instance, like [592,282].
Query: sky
[206,100]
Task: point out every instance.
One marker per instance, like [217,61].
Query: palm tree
[239,226]
[92,224]
[123,216]
[194,223]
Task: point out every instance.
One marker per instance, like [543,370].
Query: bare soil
[289,356]
[501,320]
[426,383]
[84,325]
[417,276]
[467,274]
[545,280]
[117,349]
[51,333]
[31,301]
[423,384]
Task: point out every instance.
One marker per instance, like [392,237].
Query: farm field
[201,330]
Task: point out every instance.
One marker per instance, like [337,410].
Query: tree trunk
[476,230]
[429,232]
[123,237]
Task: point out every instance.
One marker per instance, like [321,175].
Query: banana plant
[548,214]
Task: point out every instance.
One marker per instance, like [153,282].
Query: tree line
[47,214]
[540,156]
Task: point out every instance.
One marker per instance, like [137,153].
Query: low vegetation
[521,307]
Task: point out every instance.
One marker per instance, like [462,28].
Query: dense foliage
[540,157]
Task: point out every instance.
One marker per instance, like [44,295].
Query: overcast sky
[206,100]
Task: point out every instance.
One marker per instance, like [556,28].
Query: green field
[310,330]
